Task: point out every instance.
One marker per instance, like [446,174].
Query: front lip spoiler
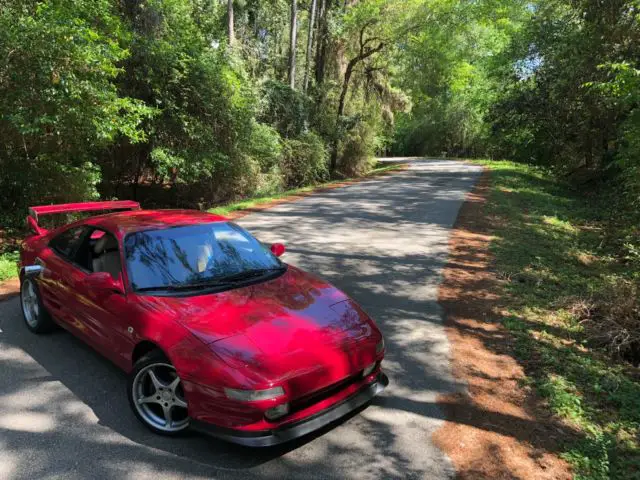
[268,438]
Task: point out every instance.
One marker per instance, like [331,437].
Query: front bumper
[267,438]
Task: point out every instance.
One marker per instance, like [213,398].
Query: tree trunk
[343,96]
[293,36]
[345,85]
[230,28]
[312,20]
[136,180]
[321,49]
[363,55]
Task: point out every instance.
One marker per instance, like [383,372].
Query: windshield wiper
[247,274]
[186,286]
[229,280]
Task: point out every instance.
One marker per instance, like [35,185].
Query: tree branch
[362,30]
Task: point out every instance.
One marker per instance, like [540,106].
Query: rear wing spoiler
[36,212]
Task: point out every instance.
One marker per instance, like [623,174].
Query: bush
[237,179]
[8,265]
[304,161]
[265,146]
[358,149]
[611,318]
[629,159]
[270,183]
[59,101]
[286,109]
[43,181]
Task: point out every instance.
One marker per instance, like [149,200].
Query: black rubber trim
[267,438]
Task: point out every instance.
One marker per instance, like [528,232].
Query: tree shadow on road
[386,250]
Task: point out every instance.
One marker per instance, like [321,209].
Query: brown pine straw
[498,429]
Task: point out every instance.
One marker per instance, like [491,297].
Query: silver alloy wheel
[159,399]
[30,303]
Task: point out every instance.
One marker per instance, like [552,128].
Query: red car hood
[269,313]
[293,326]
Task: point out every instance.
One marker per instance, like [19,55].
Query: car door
[59,277]
[97,317]
[104,313]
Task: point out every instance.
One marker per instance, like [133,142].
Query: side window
[105,255]
[67,242]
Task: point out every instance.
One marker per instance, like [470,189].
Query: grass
[254,201]
[8,267]
[548,247]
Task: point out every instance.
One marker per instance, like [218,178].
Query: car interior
[96,251]
[106,257]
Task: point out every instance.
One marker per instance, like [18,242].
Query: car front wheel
[156,395]
[35,316]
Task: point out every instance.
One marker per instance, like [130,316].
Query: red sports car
[214,331]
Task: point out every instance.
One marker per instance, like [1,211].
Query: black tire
[36,319]
[154,358]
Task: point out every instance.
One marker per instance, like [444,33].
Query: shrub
[611,318]
[265,146]
[270,183]
[628,160]
[358,149]
[236,179]
[43,181]
[8,262]
[59,101]
[304,160]
[284,108]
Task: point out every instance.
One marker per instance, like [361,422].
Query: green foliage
[205,105]
[623,87]
[568,89]
[58,100]
[448,68]
[265,146]
[128,98]
[148,100]
[286,109]
[555,256]
[358,149]
[304,160]
[8,265]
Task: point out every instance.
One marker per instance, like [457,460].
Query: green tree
[59,103]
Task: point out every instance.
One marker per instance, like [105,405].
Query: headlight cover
[253,395]
[380,346]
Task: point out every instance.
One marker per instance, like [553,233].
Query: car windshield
[194,255]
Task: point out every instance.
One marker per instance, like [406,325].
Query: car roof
[133,221]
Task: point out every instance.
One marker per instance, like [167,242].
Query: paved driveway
[63,410]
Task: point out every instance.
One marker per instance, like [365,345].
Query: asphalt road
[63,410]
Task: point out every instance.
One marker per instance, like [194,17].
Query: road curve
[63,410]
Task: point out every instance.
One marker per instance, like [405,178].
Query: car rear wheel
[156,395]
[35,316]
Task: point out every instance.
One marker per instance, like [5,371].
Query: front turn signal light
[277,412]
[253,395]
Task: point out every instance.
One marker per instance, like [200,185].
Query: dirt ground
[497,430]
[9,288]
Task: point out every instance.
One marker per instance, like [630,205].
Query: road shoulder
[497,429]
